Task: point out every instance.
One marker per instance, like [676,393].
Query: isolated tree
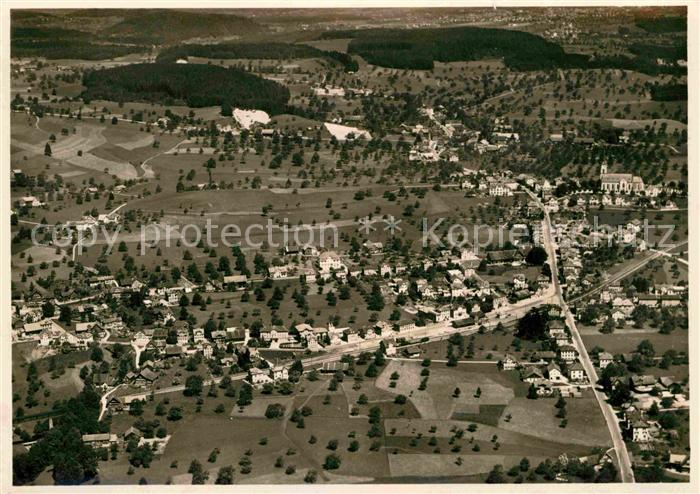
[193,385]
[537,256]
[199,475]
[225,475]
[332,462]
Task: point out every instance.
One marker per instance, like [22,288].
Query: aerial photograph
[348,246]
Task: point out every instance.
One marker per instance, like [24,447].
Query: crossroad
[442,330]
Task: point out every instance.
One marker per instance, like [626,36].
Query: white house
[604,359]
[509,363]
[555,374]
[576,372]
[329,262]
[259,376]
[568,353]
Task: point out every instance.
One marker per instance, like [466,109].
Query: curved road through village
[622,455]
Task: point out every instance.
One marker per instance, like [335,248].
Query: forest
[664,24]
[196,85]
[171,26]
[259,51]
[419,49]
[56,43]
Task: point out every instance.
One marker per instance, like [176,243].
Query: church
[623,183]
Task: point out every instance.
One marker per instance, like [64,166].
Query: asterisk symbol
[392,225]
[366,225]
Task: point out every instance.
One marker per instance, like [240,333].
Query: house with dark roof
[145,377]
[504,256]
[102,440]
[532,374]
[642,384]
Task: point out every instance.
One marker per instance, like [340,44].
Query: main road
[623,460]
[427,333]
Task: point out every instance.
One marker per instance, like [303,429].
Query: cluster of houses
[499,139]
[106,440]
[552,372]
[50,331]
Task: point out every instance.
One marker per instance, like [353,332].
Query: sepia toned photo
[325,246]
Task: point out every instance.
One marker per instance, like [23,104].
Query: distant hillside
[57,43]
[195,85]
[261,51]
[419,49]
[227,51]
[664,24]
[169,26]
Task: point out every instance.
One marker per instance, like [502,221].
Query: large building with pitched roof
[623,183]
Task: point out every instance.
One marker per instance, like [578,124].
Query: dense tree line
[663,24]
[196,85]
[257,51]
[224,51]
[418,49]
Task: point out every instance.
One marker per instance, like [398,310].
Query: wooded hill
[669,24]
[256,51]
[419,49]
[57,43]
[195,85]
[170,26]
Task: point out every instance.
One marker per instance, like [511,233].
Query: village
[317,260]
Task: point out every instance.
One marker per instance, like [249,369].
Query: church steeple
[603,169]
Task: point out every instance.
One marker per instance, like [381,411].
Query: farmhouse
[238,281]
[103,440]
[35,328]
[532,375]
[259,376]
[145,377]
[30,202]
[509,363]
[642,384]
[115,404]
[504,256]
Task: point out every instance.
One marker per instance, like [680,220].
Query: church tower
[603,169]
